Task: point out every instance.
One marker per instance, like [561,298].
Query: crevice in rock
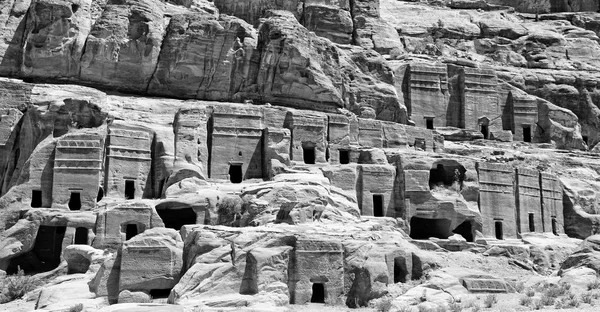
[354,34]
[162,45]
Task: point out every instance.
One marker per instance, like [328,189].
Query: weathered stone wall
[552,203]
[77,166]
[128,158]
[429,96]
[377,181]
[529,201]
[496,199]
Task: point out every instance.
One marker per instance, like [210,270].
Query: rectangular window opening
[75,201]
[129,189]
[531,223]
[378,205]
[527,133]
[499,233]
[344,157]
[429,123]
[36,198]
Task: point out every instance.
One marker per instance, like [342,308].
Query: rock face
[262,153]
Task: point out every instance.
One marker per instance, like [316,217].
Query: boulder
[80,257]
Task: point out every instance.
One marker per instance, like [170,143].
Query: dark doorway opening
[344,157]
[129,189]
[554,226]
[531,223]
[176,218]
[526,133]
[499,233]
[485,130]
[585,139]
[160,293]
[100,194]
[75,201]
[327,154]
[235,173]
[421,228]
[400,270]
[309,155]
[378,205]
[48,246]
[36,199]
[437,176]
[465,230]
[429,123]
[130,231]
[318,293]
[81,236]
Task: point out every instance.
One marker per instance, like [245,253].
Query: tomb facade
[552,203]
[496,200]
[529,201]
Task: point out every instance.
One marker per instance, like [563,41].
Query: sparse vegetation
[16,286]
[530,292]
[76,308]
[384,304]
[525,301]
[490,300]
[454,305]
[587,297]
[594,285]
[547,300]
[519,287]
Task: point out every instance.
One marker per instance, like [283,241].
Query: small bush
[473,306]
[76,308]
[595,294]
[530,292]
[594,285]
[525,301]
[490,300]
[537,304]
[16,286]
[454,306]
[547,300]
[384,304]
[586,297]
[555,291]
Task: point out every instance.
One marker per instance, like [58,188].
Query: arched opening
[378,205]
[554,226]
[526,133]
[81,236]
[100,194]
[400,270]
[449,173]
[308,153]
[531,222]
[235,173]
[36,198]
[176,218]
[318,293]
[421,228]
[129,189]
[344,157]
[498,230]
[465,230]
[130,231]
[75,201]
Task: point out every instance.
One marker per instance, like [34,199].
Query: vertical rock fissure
[162,45]
[354,33]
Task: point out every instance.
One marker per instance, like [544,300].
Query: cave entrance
[447,175]
[176,218]
[235,173]
[308,153]
[429,123]
[531,222]
[526,133]
[498,230]
[318,293]
[400,270]
[585,139]
[48,246]
[421,228]
[131,230]
[465,230]
[485,130]
[378,205]
[129,189]
[75,201]
[344,157]
[160,293]
[36,198]
[554,226]
[81,236]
